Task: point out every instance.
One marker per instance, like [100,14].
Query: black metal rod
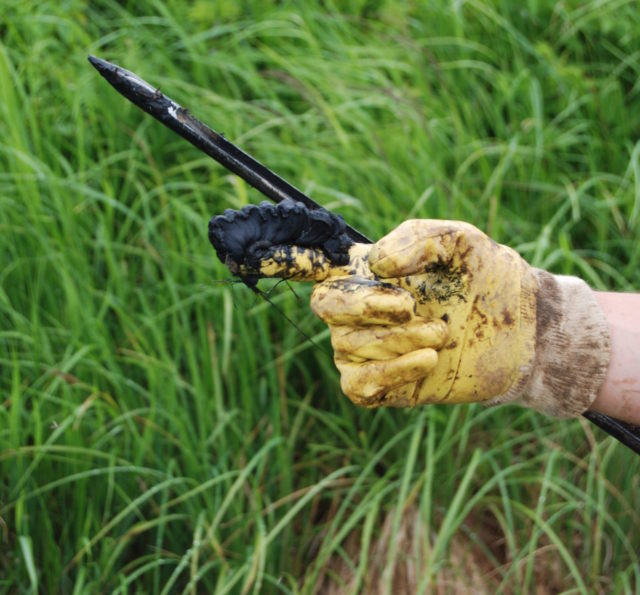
[172,115]
[178,119]
[626,433]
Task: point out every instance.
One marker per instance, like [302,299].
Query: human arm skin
[619,396]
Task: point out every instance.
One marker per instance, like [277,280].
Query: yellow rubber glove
[437,312]
[486,294]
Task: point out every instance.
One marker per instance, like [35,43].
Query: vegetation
[162,430]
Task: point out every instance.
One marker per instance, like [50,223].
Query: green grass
[162,431]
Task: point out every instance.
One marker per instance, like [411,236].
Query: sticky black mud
[247,236]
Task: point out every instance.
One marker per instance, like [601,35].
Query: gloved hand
[437,312]
[515,333]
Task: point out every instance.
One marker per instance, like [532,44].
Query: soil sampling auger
[240,236]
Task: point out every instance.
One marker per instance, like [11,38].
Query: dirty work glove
[434,312]
[515,333]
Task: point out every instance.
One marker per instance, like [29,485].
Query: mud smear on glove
[247,237]
[444,283]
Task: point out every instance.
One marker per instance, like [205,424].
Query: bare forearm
[619,396]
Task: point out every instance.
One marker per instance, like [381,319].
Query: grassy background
[162,431]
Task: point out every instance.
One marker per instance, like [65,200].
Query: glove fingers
[387,342]
[415,245]
[357,301]
[363,382]
[295,263]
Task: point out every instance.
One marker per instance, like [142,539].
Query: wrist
[619,395]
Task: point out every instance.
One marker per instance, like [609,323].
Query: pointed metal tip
[101,65]
[127,83]
[106,69]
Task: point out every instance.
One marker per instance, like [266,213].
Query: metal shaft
[172,115]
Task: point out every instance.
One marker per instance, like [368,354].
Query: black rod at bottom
[626,433]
